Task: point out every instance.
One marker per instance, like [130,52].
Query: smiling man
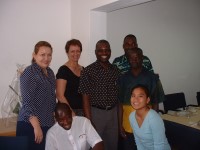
[98,86]
[72,133]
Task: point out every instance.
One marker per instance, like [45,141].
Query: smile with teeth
[67,126]
[104,57]
[135,103]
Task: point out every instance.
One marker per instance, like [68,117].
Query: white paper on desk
[170,112]
[183,113]
[192,109]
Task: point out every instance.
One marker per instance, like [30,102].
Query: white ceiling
[120,4]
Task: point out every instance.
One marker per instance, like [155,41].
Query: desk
[184,120]
[182,132]
[8,126]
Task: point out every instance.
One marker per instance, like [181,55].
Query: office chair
[174,101]
[13,143]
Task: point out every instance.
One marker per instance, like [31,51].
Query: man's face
[64,119]
[135,60]
[129,43]
[103,52]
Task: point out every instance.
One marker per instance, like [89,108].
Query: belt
[104,108]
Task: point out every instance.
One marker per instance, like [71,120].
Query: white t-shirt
[81,136]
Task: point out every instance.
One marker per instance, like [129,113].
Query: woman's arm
[37,129]
[60,91]
[158,131]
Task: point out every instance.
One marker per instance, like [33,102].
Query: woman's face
[74,53]
[43,57]
[139,99]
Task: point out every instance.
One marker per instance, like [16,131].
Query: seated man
[72,133]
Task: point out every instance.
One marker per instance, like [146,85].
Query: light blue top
[151,134]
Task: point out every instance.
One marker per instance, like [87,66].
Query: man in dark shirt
[98,86]
[136,75]
[130,41]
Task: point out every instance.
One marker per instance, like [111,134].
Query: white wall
[168,31]
[25,22]
[88,26]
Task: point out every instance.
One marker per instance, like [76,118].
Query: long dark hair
[142,86]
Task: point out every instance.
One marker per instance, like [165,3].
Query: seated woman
[149,130]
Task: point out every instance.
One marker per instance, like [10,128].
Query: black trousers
[26,129]
[128,143]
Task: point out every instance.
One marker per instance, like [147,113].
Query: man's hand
[122,133]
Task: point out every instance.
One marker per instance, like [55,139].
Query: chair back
[198,98]
[174,101]
[13,143]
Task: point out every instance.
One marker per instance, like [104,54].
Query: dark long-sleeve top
[38,95]
[147,78]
